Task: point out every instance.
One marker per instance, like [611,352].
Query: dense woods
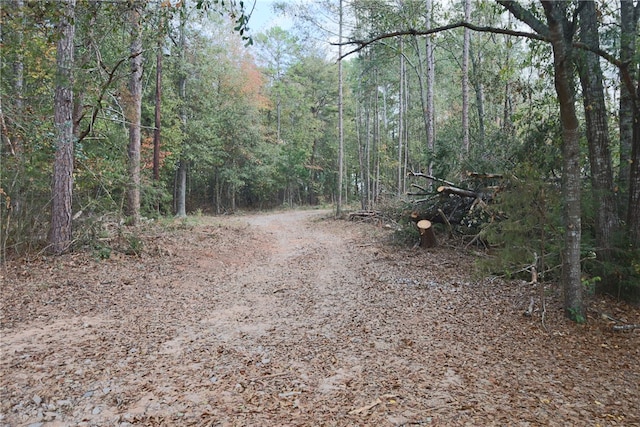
[124,111]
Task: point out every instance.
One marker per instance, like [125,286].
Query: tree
[134,113]
[181,178]
[401,114]
[561,36]
[340,119]
[232,9]
[559,31]
[158,98]
[595,110]
[429,106]
[60,234]
[465,80]
[278,50]
[628,26]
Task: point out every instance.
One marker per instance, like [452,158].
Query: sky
[263,16]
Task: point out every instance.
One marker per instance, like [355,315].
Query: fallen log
[477,175]
[625,327]
[449,189]
[430,177]
[364,214]
[427,236]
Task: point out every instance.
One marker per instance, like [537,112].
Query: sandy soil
[294,319]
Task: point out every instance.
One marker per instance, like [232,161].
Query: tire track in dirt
[293,319]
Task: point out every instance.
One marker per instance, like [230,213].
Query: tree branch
[525,16]
[413,32]
[361,44]
[97,106]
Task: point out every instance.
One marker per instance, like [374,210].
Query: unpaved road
[293,319]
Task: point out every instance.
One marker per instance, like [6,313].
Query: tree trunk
[368,144]
[181,193]
[465,80]
[507,126]
[18,65]
[633,210]
[629,18]
[400,120]
[595,109]
[340,122]
[60,233]
[571,278]
[628,25]
[158,100]
[134,115]
[377,141]
[181,190]
[405,104]
[431,78]
[478,88]
[427,235]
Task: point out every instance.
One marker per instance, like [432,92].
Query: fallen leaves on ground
[293,319]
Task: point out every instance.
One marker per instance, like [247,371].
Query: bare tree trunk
[406,130]
[431,73]
[18,65]
[555,12]
[633,210]
[465,80]
[368,145]
[158,100]
[376,140]
[181,190]
[628,26]
[181,193]
[507,126]
[134,114]
[361,159]
[478,88]
[218,193]
[400,119]
[340,122]
[595,110]
[60,233]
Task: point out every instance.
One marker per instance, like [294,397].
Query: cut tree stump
[427,236]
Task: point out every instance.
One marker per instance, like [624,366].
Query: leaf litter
[294,319]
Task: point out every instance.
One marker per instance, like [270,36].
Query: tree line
[140,109]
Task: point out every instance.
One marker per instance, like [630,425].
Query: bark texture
[134,115]
[430,99]
[181,178]
[595,109]
[60,234]
[465,80]
[633,214]
[181,190]
[158,101]
[562,65]
[340,122]
[628,25]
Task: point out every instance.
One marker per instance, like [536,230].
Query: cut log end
[427,236]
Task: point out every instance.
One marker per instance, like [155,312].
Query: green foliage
[527,225]
[576,315]
[102,252]
[134,245]
[156,199]
[620,276]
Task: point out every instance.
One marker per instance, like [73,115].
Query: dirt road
[294,319]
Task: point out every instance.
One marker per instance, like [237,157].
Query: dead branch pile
[462,206]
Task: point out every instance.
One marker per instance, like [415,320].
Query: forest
[122,112]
